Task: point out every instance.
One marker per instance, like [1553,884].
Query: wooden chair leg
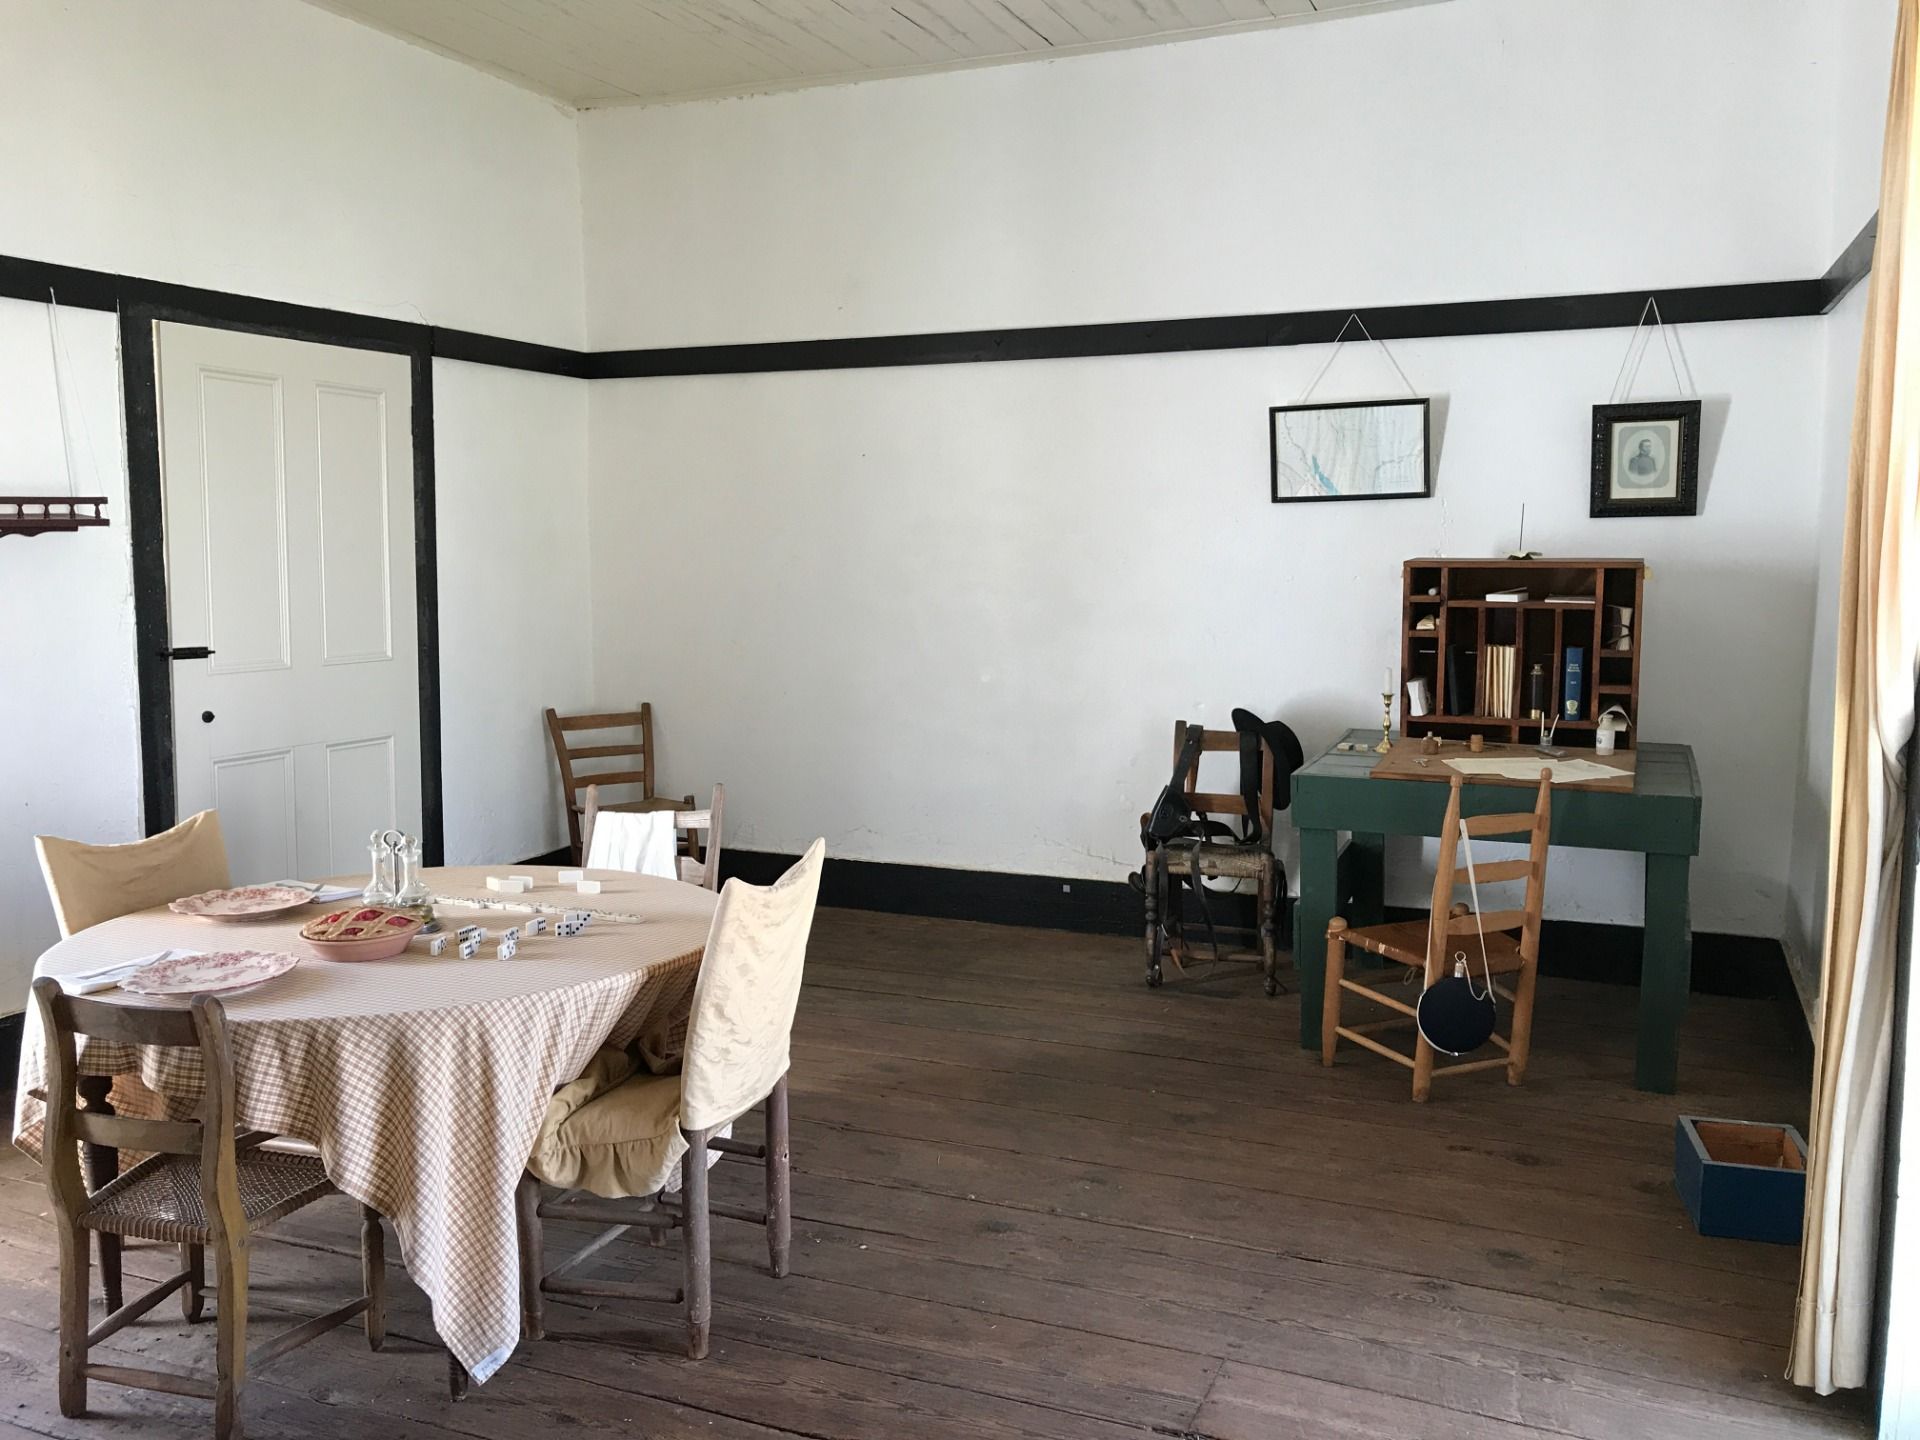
[193,1299]
[456,1378]
[1269,949]
[73,1321]
[373,1275]
[1330,990]
[1151,880]
[1422,1066]
[533,1264]
[698,1231]
[1520,1037]
[103,1164]
[779,1180]
[230,1322]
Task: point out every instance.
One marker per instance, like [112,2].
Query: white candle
[1386,683]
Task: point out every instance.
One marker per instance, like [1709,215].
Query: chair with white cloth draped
[619,1133]
[655,842]
[89,884]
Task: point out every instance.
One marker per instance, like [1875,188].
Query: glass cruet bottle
[379,889]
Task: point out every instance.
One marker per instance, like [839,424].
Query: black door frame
[146,523]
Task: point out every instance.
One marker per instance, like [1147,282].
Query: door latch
[186,652]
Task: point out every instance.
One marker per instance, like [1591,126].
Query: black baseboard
[12,1027]
[1746,966]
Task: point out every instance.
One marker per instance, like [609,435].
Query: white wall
[515,602]
[934,582]
[69,713]
[1481,149]
[268,148]
[932,636]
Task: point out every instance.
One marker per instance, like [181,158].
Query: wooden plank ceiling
[624,52]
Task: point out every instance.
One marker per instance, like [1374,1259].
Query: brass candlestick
[1386,723]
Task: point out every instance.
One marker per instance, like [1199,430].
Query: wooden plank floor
[1034,1198]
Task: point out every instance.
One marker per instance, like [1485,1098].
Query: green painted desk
[1659,818]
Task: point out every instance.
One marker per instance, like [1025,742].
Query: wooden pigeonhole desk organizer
[1452,596]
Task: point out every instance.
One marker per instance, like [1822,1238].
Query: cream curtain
[1873,717]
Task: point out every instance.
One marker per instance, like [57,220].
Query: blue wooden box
[1741,1181]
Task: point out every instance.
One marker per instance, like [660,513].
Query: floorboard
[1035,1199]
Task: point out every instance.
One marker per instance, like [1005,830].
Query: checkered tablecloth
[422,1080]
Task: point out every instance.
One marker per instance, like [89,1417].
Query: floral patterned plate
[248,902]
[202,974]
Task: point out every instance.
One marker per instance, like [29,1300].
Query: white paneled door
[287,470]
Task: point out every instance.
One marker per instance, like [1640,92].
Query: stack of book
[1500,677]
[1619,629]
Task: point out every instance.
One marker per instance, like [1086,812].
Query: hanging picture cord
[1630,362]
[1352,321]
[1437,922]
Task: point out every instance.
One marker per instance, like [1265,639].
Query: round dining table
[421,1079]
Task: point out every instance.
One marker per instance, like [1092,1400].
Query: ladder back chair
[698,861]
[202,1187]
[617,1134]
[1432,946]
[1217,859]
[92,884]
[635,748]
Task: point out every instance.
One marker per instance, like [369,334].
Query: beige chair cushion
[94,883]
[749,985]
[614,1132]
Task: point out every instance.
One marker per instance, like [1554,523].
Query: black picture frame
[1607,497]
[1425,491]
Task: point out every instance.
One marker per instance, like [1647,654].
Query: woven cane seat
[1244,862]
[159,1199]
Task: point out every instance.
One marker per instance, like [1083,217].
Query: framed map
[1350,450]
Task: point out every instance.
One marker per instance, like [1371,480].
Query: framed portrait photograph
[1646,458]
[1350,450]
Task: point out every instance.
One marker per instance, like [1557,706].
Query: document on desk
[1521,767]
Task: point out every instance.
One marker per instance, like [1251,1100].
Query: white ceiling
[631,52]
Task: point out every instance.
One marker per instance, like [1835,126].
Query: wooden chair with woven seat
[1217,860]
[635,749]
[202,1187]
[91,884]
[618,1133]
[698,861]
[1432,946]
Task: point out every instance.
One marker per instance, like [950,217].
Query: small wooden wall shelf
[1541,630]
[49,514]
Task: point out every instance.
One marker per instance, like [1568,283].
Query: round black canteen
[1453,1018]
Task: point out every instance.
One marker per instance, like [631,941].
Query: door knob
[206,716]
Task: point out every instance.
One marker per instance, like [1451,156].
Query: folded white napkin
[108,976]
[639,841]
[323,892]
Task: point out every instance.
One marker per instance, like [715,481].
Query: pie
[360,922]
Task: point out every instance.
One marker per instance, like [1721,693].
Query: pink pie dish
[370,934]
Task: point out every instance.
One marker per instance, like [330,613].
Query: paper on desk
[1519,767]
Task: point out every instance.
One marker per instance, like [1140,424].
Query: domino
[568,928]
[588,887]
[470,948]
[525,882]
[572,877]
[508,949]
[436,944]
[579,918]
[537,925]
[469,932]
[510,935]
